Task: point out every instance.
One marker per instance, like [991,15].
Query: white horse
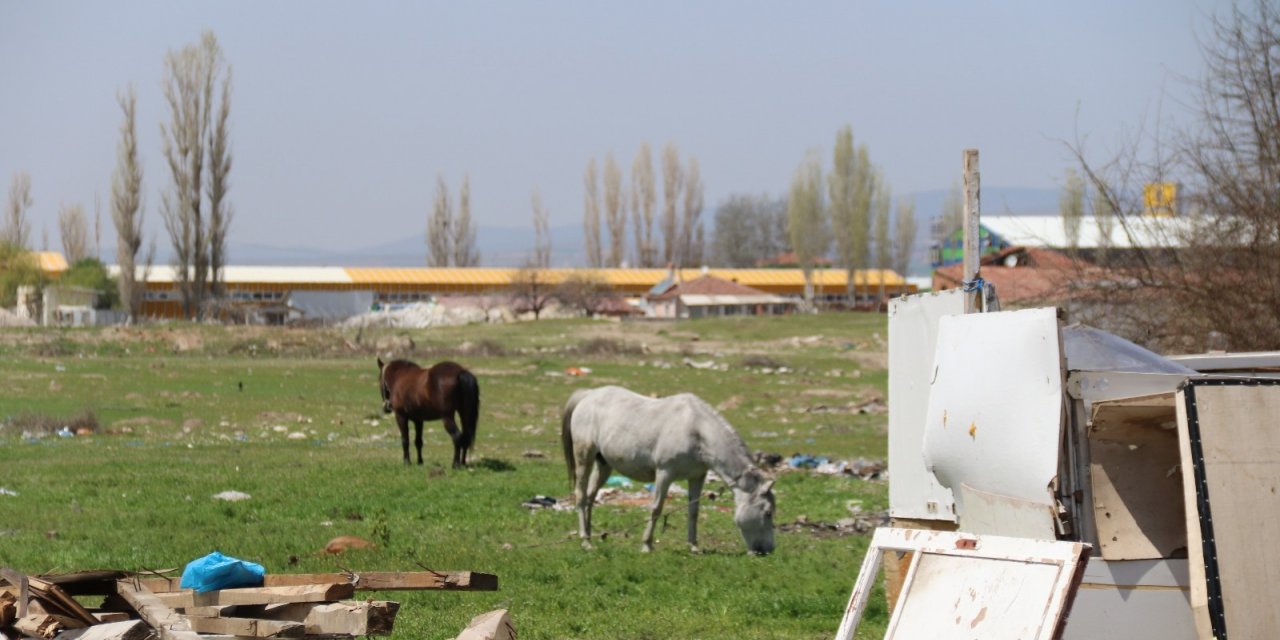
[675,438]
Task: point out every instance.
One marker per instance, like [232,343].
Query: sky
[344,113]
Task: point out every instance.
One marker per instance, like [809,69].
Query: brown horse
[416,394]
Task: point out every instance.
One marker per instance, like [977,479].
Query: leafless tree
[531,289]
[73,228]
[220,210]
[880,229]
[851,188]
[615,211]
[1105,219]
[126,205]
[17,229]
[541,232]
[1071,206]
[806,213]
[904,236]
[952,212]
[190,84]
[1212,278]
[692,241]
[591,215]
[672,183]
[585,291]
[439,227]
[643,197]
[465,253]
[97,225]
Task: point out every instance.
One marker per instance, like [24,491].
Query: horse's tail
[566,434]
[468,407]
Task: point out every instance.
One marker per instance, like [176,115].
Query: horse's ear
[380,365]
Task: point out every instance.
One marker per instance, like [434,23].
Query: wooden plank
[370,581]
[40,625]
[126,630]
[972,256]
[247,627]
[494,625]
[110,616]
[348,617]
[1231,462]
[164,620]
[52,597]
[8,606]
[256,595]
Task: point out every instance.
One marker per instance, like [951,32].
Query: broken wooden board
[247,627]
[256,595]
[958,582]
[53,599]
[39,625]
[494,625]
[370,581]
[127,630]
[163,619]
[355,618]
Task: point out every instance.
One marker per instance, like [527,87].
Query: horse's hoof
[695,550]
[646,548]
[587,545]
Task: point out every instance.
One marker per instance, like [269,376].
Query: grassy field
[291,417]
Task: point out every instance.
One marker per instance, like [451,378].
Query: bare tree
[591,215]
[1071,207]
[615,211]
[1211,277]
[904,236]
[465,253]
[880,229]
[220,210]
[643,197]
[851,188]
[189,86]
[541,232]
[691,234]
[73,228]
[1105,218]
[531,289]
[97,225]
[439,227]
[952,212]
[672,183]
[806,212]
[586,292]
[126,205]
[17,229]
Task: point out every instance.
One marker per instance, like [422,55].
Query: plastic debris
[7,492]
[231,496]
[217,571]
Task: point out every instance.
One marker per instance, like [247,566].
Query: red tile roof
[709,286]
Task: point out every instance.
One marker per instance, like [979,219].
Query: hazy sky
[343,113]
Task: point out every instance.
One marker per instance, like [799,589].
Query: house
[1021,275]
[709,296]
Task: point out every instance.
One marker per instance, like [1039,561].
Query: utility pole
[972,214]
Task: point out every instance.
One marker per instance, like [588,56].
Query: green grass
[186,412]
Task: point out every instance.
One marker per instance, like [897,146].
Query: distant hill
[511,246]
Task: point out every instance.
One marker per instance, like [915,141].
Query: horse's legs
[660,485]
[459,456]
[417,441]
[403,423]
[695,496]
[586,460]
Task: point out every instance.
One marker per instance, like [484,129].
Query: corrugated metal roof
[487,277]
[50,261]
[256,275]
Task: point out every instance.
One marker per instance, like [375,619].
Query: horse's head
[754,512]
[383,388]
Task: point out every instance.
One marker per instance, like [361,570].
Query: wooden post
[972,215]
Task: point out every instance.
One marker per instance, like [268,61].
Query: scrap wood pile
[137,607]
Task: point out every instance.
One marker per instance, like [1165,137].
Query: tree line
[195,207]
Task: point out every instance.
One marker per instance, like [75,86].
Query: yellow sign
[1160,199]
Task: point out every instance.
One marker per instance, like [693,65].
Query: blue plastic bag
[216,571]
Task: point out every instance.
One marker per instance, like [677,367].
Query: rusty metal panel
[996,406]
[962,586]
[913,330]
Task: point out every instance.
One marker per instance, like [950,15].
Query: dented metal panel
[996,406]
[913,331]
[965,586]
